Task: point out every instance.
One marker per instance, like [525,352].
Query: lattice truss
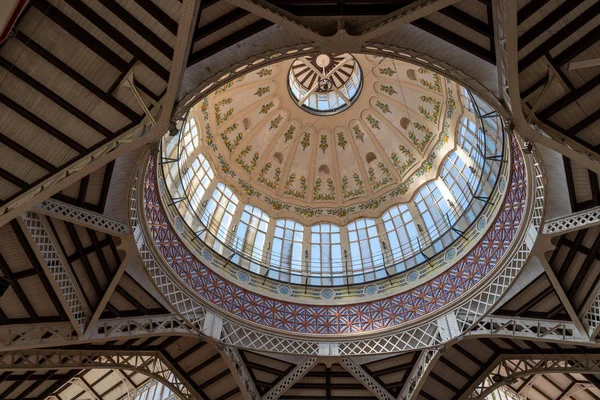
[572,222]
[81,216]
[418,374]
[290,379]
[363,377]
[150,364]
[429,334]
[61,277]
[507,368]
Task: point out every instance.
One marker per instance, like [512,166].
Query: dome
[351,196]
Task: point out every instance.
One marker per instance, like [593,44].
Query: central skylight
[326,84]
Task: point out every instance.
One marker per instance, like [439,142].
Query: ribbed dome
[288,161]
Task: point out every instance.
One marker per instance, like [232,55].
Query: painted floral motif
[248,167]
[359,187]
[409,160]
[225,168]
[270,183]
[249,190]
[224,88]
[389,89]
[384,178]
[341,212]
[209,138]
[430,116]
[276,204]
[305,141]
[275,122]
[323,145]
[264,72]
[266,107]
[425,168]
[389,71]
[225,136]
[358,133]
[436,85]
[289,134]
[308,212]
[444,136]
[324,196]
[373,122]
[223,117]
[372,204]
[402,188]
[385,108]
[451,102]
[342,142]
[420,144]
[290,190]
[262,91]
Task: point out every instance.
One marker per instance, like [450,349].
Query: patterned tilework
[368,316]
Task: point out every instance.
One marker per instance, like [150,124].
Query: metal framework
[363,377]
[572,222]
[83,217]
[507,368]
[151,364]
[288,381]
[418,374]
[46,247]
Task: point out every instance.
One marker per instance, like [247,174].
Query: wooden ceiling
[61,97]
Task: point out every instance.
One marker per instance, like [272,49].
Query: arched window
[218,215]
[433,208]
[470,141]
[190,136]
[325,253]
[286,251]
[462,183]
[465,98]
[401,232]
[251,234]
[365,248]
[198,178]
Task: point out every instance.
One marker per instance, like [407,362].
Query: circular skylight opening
[326,84]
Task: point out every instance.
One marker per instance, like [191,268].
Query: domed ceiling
[382,142]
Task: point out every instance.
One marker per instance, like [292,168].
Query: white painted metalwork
[367,380]
[418,374]
[77,381]
[61,277]
[572,222]
[290,379]
[529,328]
[148,363]
[591,318]
[62,333]
[83,217]
[507,368]
[241,372]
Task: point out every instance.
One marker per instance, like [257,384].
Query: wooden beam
[52,96]
[570,97]
[559,36]
[8,176]
[140,28]
[547,22]
[529,9]
[14,284]
[455,39]
[40,123]
[468,20]
[31,156]
[574,49]
[229,41]
[158,14]
[219,23]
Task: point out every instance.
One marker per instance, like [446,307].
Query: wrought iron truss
[83,217]
[507,368]
[572,222]
[151,364]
